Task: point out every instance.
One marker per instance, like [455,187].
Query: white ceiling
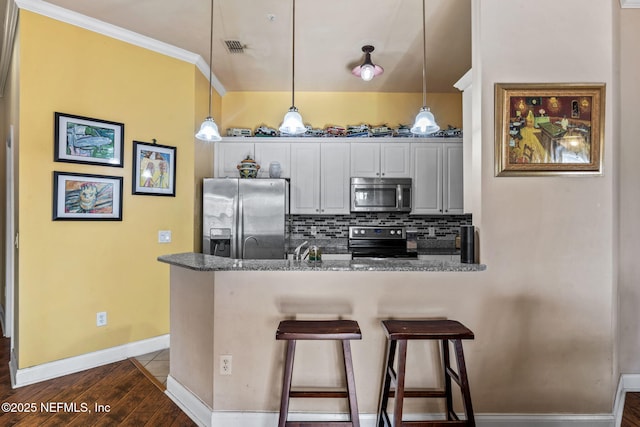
[328,41]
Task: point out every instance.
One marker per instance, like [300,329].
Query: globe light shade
[425,123]
[292,123]
[208,131]
[367,72]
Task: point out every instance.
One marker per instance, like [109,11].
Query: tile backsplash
[337,226]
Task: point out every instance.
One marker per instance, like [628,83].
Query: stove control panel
[372,232]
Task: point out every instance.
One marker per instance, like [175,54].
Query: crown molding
[629,4]
[74,18]
[7,39]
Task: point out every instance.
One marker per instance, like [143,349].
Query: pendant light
[425,123]
[368,70]
[292,123]
[208,129]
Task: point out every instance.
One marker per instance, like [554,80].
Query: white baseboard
[58,368]
[202,415]
[190,404]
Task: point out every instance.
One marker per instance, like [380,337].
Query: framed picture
[549,129]
[85,140]
[154,169]
[78,196]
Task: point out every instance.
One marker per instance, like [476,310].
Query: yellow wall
[320,109]
[69,270]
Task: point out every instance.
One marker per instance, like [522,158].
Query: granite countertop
[202,262]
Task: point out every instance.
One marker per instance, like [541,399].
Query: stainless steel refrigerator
[244,218]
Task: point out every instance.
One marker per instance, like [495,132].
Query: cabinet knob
[317,210]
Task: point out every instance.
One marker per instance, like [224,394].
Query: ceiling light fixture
[292,123]
[208,129]
[425,123]
[368,70]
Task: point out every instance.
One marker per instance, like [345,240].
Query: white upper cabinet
[320,178]
[228,156]
[380,160]
[268,152]
[335,185]
[437,178]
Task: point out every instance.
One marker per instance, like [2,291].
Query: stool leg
[399,395]
[386,382]
[464,383]
[447,378]
[286,383]
[351,383]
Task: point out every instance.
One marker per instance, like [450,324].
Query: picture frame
[80,139]
[86,197]
[549,128]
[154,169]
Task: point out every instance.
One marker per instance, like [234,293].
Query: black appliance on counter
[379,242]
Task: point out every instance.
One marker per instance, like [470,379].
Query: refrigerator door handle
[240,229]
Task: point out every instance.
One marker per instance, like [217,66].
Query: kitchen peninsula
[227,307]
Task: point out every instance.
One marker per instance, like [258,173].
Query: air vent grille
[234,46]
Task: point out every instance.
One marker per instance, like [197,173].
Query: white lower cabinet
[320,178]
[437,172]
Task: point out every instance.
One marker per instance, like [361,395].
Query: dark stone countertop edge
[202,262]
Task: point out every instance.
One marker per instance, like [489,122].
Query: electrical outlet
[432,231]
[313,230]
[101,318]
[226,364]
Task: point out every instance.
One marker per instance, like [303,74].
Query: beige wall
[629,292]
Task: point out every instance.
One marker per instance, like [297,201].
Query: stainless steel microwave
[380,194]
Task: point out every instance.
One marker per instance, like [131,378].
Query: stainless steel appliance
[379,242]
[380,194]
[244,218]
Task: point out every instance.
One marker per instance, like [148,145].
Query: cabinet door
[334,182]
[229,155]
[395,160]
[305,178]
[427,178]
[267,152]
[365,159]
[453,193]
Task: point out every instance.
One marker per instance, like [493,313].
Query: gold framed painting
[549,129]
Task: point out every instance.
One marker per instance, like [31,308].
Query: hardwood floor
[118,394]
[631,413]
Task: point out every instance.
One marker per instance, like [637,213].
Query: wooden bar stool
[342,330]
[398,333]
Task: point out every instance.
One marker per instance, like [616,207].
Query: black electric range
[379,242]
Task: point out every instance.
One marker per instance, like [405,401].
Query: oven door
[380,195]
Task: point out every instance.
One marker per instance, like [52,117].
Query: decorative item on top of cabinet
[248,168]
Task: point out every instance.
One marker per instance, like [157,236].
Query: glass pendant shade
[367,72]
[208,130]
[292,123]
[425,123]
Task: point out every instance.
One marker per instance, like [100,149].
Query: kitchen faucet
[296,255]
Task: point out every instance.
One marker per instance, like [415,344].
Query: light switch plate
[164,236]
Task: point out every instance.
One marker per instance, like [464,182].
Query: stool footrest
[435,423]
[318,423]
[322,393]
[453,375]
[420,392]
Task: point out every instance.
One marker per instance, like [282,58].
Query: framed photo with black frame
[154,169]
[86,140]
[86,197]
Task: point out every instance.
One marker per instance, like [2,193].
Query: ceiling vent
[234,46]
